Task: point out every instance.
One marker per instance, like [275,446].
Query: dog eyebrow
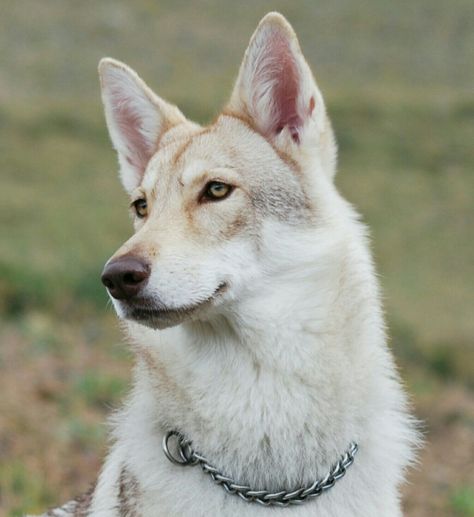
[206,173]
[223,168]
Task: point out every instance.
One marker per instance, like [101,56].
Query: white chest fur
[272,394]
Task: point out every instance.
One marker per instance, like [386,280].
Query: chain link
[189,457]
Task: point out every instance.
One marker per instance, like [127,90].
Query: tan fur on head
[283,116]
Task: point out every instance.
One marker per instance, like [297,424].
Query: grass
[463,502]
[33,490]
[399,90]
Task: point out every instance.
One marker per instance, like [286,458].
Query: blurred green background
[398,80]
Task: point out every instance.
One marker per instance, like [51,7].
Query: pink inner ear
[277,75]
[129,124]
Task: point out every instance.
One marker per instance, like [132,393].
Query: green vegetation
[398,83]
[31,488]
[463,502]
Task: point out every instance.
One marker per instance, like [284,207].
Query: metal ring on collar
[177,460]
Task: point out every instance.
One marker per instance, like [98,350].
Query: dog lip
[149,312]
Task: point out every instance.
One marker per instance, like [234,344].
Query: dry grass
[58,381]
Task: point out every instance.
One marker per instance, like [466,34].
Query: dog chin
[158,320]
[158,317]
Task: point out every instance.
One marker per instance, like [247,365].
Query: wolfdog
[250,300]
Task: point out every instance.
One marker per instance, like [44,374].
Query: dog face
[212,204]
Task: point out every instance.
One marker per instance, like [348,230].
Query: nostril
[133,277]
[108,282]
[128,278]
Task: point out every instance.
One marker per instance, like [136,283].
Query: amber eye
[140,207]
[215,191]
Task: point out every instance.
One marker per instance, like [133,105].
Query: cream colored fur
[275,376]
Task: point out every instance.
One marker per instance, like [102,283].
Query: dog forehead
[240,142]
[228,143]
[162,164]
[233,144]
[157,171]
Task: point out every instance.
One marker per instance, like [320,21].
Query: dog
[250,299]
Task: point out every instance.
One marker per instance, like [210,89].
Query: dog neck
[274,389]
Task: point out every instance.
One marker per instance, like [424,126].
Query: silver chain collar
[189,457]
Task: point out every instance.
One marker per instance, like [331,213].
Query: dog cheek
[237,226]
[211,225]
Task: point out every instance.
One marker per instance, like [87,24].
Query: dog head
[214,206]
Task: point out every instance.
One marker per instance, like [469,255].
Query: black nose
[124,277]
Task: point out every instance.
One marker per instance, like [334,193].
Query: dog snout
[124,277]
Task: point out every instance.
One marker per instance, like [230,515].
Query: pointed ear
[275,87]
[136,118]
